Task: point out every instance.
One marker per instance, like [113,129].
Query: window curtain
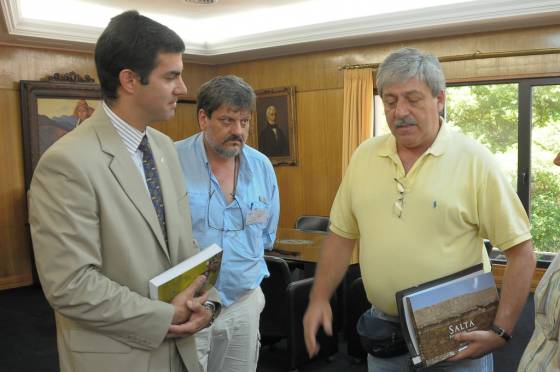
[357,121]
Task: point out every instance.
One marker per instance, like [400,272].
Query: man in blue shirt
[234,203]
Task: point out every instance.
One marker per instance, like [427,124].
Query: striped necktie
[152,180]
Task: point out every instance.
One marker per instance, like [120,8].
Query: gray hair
[407,63]
[227,90]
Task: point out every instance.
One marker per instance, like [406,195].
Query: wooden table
[301,246]
[298,245]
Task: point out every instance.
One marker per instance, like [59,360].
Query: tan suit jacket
[97,243]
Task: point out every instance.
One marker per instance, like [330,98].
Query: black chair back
[488,245]
[282,316]
[274,317]
[298,299]
[312,223]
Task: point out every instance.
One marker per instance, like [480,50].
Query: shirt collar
[130,136]
[436,149]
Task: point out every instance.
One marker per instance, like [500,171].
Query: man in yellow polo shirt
[421,200]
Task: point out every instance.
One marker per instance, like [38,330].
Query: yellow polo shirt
[455,196]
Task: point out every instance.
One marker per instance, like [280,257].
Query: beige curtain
[357,121]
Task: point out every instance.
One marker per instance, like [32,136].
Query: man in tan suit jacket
[96,233]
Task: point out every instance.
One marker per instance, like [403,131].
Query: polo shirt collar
[437,148]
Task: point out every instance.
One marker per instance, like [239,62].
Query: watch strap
[214,309]
[500,332]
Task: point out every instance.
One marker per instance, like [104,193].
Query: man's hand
[318,313]
[181,301]
[199,319]
[480,343]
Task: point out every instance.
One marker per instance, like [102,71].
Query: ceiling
[237,30]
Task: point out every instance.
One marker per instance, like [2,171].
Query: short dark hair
[228,90]
[131,41]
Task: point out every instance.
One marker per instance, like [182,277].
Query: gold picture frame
[276,132]
[52,108]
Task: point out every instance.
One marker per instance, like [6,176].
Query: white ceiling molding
[477,16]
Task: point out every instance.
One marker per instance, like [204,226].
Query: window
[519,121]
[380,126]
[489,114]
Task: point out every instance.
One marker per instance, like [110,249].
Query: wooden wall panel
[183,124]
[11,182]
[310,187]
[22,64]
[35,64]
[195,75]
[316,71]
[15,257]
[307,188]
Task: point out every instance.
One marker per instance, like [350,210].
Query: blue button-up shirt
[249,224]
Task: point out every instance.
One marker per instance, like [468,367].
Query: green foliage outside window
[489,113]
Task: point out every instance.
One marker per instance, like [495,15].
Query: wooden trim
[15,281]
[498,270]
[468,57]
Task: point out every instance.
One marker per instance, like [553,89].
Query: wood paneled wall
[21,64]
[307,188]
[34,64]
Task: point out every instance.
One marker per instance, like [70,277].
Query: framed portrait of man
[276,125]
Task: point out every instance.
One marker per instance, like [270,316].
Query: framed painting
[276,134]
[50,109]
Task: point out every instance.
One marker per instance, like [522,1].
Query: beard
[220,148]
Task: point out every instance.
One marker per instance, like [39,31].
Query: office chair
[488,245]
[312,223]
[282,316]
[273,320]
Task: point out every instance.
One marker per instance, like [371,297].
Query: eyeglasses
[399,203]
[234,213]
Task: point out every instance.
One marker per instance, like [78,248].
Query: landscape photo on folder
[168,284]
[433,314]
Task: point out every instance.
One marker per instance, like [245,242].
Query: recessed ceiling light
[201,1]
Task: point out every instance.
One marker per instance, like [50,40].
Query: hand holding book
[479,343]
[190,294]
[449,317]
[199,317]
[168,284]
[185,286]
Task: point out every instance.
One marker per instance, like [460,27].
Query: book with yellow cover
[168,284]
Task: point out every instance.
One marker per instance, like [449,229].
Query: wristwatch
[215,310]
[500,332]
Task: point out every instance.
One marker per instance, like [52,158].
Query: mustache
[234,137]
[405,121]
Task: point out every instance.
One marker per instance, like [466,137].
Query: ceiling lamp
[201,1]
